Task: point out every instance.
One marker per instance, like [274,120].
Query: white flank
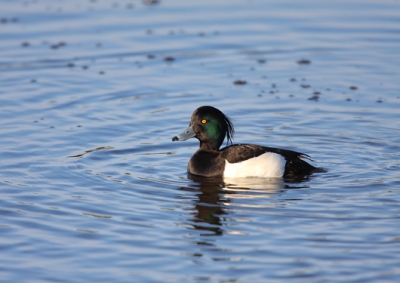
[266,165]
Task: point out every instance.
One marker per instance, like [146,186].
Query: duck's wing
[241,152]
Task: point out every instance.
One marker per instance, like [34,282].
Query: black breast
[207,163]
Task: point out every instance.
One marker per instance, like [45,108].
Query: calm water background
[93,190]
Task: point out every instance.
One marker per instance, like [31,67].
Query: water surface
[93,189]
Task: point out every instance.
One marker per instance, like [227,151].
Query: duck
[210,126]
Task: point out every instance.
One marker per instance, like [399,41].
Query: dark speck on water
[58,45]
[151,2]
[92,189]
[169,59]
[240,82]
[304,62]
[314,97]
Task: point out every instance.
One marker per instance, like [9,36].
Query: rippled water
[93,189]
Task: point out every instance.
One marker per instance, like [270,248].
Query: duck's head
[210,126]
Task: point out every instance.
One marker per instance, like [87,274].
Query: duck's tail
[299,167]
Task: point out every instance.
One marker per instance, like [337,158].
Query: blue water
[92,189]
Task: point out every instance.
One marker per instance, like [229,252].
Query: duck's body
[210,126]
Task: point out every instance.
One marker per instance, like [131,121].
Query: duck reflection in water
[209,206]
[216,194]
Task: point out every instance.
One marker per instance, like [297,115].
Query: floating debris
[169,59]
[151,2]
[304,62]
[240,82]
[58,45]
[315,96]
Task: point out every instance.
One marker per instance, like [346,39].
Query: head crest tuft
[230,130]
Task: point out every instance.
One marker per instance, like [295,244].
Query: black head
[210,126]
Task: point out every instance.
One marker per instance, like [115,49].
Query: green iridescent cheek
[213,130]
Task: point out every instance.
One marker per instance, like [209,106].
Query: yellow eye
[203,121]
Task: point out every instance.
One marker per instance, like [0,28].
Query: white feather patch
[266,165]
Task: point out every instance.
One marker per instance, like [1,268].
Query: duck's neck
[210,145]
